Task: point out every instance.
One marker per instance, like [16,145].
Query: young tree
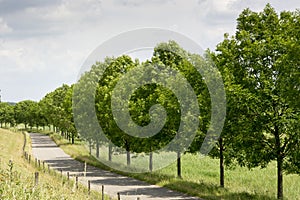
[6,114]
[24,112]
[68,114]
[262,60]
[42,119]
[57,109]
[171,55]
[115,68]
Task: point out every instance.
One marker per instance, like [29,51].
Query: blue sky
[44,43]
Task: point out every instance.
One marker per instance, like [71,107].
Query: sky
[43,44]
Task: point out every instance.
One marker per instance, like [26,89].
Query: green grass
[200,176]
[17,175]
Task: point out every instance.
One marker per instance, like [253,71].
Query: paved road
[43,148]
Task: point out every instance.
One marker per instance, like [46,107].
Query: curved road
[43,148]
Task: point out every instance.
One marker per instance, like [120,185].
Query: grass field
[17,176]
[200,177]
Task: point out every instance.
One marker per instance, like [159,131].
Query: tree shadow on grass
[213,192]
[153,178]
[202,189]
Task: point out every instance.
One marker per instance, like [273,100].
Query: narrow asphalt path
[43,148]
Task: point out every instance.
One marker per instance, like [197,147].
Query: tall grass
[17,176]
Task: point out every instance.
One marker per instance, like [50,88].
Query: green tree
[42,119]
[141,103]
[147,86]
[6,114]
[261,62]
[116,67]
[170,54]
[83,92]
[34,114]
[25,112]
[57,111]
[68,114]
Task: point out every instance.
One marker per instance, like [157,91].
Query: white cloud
[20,59]
[45,44]
[4,28]
[258,5]
[69,10]
[136,3]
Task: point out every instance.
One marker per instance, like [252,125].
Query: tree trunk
[279,179]
[151,161]
[73,138]
[221,162]
[178,165]
[97,149]
[128,157]
[279,164]
[90,147]
[110,152]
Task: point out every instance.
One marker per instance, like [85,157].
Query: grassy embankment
[200,177]
[17,175]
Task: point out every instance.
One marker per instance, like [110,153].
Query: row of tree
[148,78]
[260,69]
[54,110]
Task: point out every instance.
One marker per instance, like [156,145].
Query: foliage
[257,63]
[6,113]
[260,69]
[57,108]
[26,112]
